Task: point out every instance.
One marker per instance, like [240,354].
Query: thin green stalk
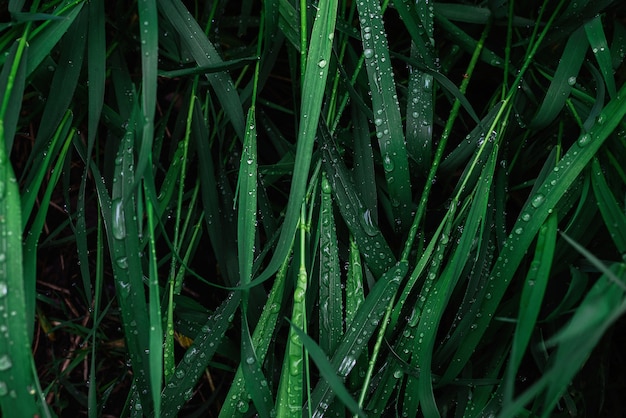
[375,353]
[421,209]
[304,32]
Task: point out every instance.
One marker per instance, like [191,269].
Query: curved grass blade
[197,357]
[531,299]
[602,306]
[205,54]
[600,48]
[255,381]
[123,239]
[291,385]
[534,214]
[612,213]
[439,296]
[64,81]
[374,247]
[236,401]
[149,35]
[358,333]
[34,233]
[12,82]
[315,76]
[564,79]
[330,294]
[48,34]
[328,372]
[386,109]
[17,381]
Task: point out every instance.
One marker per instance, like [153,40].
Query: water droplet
[388,164]
[5,363]
[4,289]
[299,295]
[322,63]
[571,81]
[584,140]
[538,200]
[250,360]
[122,262]
[3,389]
[368,224]
[525,217]
[397,374]
[242,407]
[326,187]
[519,230]
[346,365]
[119,224]
[368,53]
[295,365]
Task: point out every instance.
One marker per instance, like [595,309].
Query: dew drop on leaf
[584,140]
[537,200]
[5,363]
[118,225]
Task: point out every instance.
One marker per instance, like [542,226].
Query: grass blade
[205,54]
[17,382]
[358,218]
[236,403]
[328,373]
[48,35]
[197,357]
[600,48]
[531,299]
[564,79]
[315,77]
[255,382]
[331,311]
[534,214]
[386,109]
[123,239]
[611,212]
[358,333]
[149,34]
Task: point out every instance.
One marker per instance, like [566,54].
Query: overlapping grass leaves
[423,188]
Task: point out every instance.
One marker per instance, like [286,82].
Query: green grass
[294,208]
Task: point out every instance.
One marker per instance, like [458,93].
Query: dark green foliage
[312,208]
